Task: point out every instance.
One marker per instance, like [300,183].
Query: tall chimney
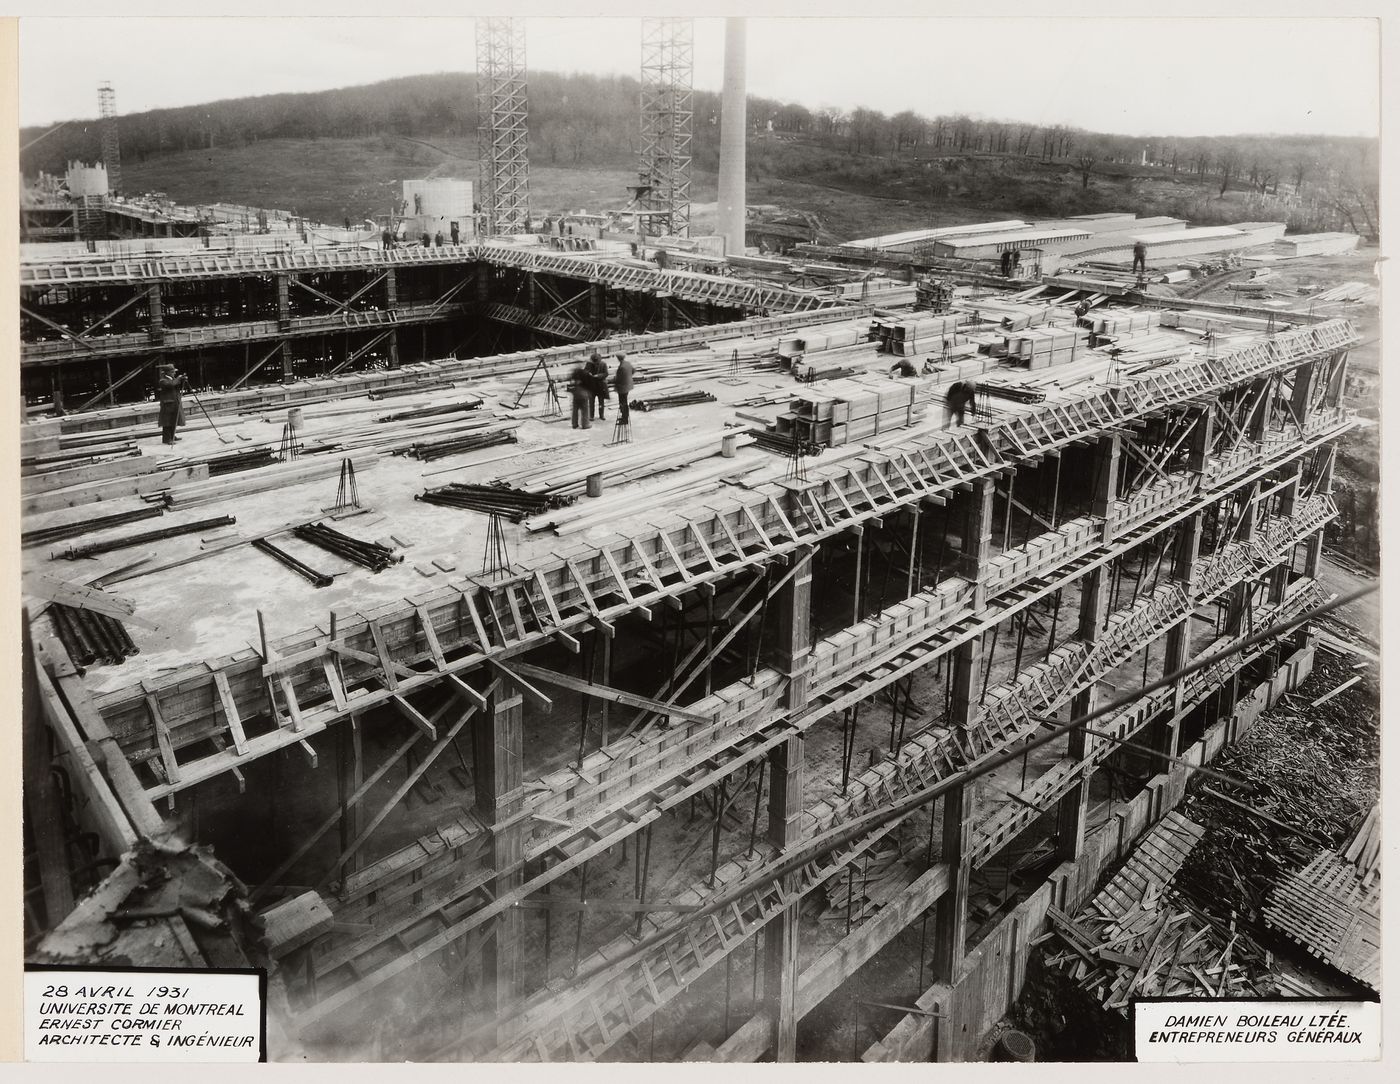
[733,129]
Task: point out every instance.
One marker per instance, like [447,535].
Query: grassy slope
[854,196]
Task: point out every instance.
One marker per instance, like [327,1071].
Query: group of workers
[390,240]
[589,392]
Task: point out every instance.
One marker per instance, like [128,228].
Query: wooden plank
[430,635]
[416,717]
[167,752]
[74,496]
[231,718]
[605,692]
[384,657]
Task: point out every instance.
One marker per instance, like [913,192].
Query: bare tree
[1086,166]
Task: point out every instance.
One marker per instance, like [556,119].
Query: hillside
[334,154]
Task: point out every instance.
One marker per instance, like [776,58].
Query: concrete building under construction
[497,738]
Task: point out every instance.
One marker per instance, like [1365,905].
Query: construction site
[844,693]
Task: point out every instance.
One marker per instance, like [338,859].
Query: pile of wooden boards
[1138,938]
[914,335]
[1332,908]
[1124,322]
[276,477]
[1039,348]
[626,463]
[865,886]
[849,410]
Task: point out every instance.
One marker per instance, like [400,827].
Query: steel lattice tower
[668,53]
[111,145]
[502,137]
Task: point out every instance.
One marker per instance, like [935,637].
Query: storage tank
[85,180]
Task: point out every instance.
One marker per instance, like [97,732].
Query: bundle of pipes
[370,555]
[437,449]
[92,549]
[675,399]
[301,568]
[784,444]
[807,373]
[91,637]
[514,504]
[241,460]
[430,411]
[57,533]
[1017,393]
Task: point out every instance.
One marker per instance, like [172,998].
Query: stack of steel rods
[91,637]
[370,555]
[40,535]
[437,449]
[301,568]
[514,504]
[236,461]
[783,443]
[680,398]
[430,411]
[92,549]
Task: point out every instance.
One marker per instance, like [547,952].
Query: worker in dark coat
[597,370]
[169,386]
[622,381]
[581,393]
[962,394]
[1081,313]
[1140,257]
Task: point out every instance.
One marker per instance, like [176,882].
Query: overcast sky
[1138,76]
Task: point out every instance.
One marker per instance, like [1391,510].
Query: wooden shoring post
[720,807]
[1055,497]
[578,926]
[781,933]
[913,547]
[643,874]
[757,805]
[607,680]
[112,385]
[859,532]
[991,654]
[414,775]
[1054,623]
[42,798]
[498,742]
[1010,503]
[950,912]
[709,641]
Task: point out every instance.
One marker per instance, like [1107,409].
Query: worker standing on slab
[622,381]
[581,393]
[597,370]
[169,386]
[1081,312]
[456,233]
[1140,257]
[437,240]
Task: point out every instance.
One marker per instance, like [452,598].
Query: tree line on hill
[581,120]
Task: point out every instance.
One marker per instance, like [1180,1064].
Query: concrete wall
[993,974]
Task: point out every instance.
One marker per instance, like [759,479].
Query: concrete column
[794,609]
[1312,561]
[155,324]
[1303,377]
[733,131]
[1188,548]
[284,302]
[781,936]
[977,538]
[597,304]
[950,912]
[498,748]
[1337,386]
[1074,806]
[532,292]
[1106,472]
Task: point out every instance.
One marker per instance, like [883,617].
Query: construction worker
[622,381]
[581,393]
[425,239]
[1006,264]
[903,368]
[437,240]
[961,394]
[1140,257]
[169,386]
[388,239]
[456,234]
[597,370]
[1081,312]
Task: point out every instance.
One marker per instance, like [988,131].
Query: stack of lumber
[1329,909]
[1364,851]
[292,473]
[849,410]
[627,463]
[1139,938]
[914,335]
[688,485]
[1122,322]
[866,886]
[1039,348]
[1348,291]
[98,482]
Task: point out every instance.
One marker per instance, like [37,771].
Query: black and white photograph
[808,535]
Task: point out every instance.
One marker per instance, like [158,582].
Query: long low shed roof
[1016,236]
[914,236]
